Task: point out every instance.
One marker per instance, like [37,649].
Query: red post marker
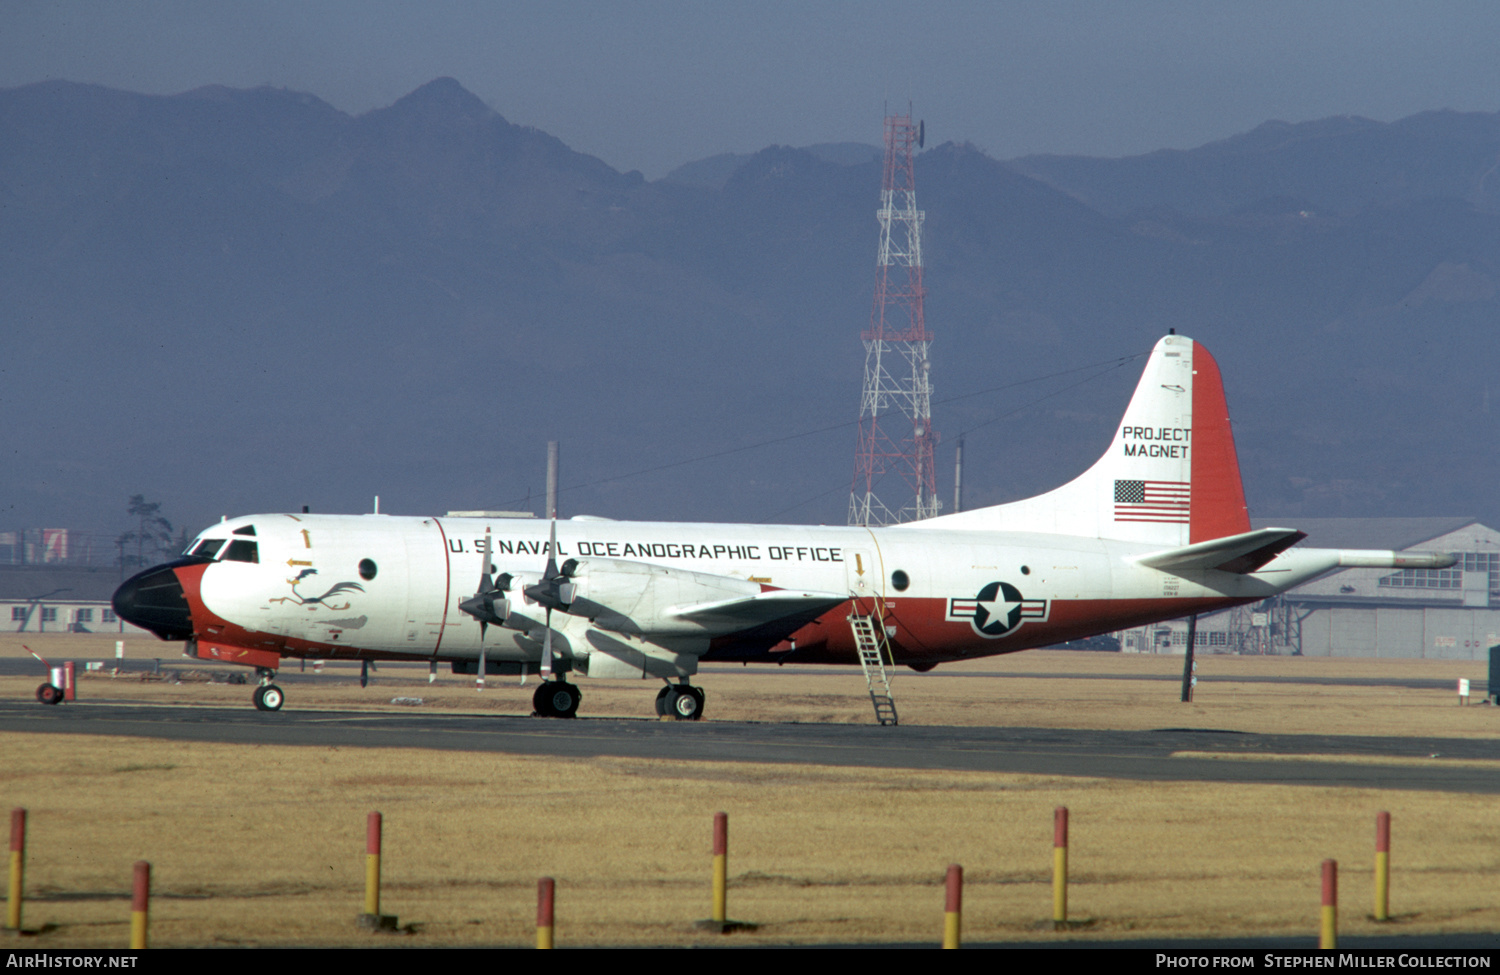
[953,910]
[69,675]
[1328,930]
[1060,865]
[545,890]
[17,866]
[1383,866]
[140,900]
[372,864]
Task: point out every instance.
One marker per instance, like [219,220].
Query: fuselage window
[367,569]
[207,548]
[241,551]
[899,581]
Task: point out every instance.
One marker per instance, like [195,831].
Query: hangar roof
[1378,533]
[20,582]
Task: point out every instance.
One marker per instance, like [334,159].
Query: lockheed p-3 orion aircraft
[1156,529]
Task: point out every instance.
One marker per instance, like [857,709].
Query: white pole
[958,476]
[552,479]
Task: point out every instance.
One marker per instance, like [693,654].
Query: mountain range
[243,300]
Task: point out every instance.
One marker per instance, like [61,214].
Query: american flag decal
[1165,502]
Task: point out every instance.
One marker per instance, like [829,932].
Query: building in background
[59,599]
[52,546]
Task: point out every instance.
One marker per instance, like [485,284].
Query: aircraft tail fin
[1171,476]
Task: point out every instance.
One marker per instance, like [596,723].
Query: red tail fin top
[1218,496]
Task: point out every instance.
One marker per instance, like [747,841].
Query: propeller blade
[551,569]
[556,589]
[484,566]
[547,647]
[483,604]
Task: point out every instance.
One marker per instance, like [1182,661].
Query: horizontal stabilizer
[745,612]
[1242,553]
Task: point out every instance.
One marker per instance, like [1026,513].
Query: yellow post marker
[1383,867]
[372,919]
[17,868]
[140,900]
[1328,930]
[546,889]
[1060,867]
[720,923]
[953,909]
[721,867]
[372,865]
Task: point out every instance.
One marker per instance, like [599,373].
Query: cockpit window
[247,530]
[207,548]
[241,551]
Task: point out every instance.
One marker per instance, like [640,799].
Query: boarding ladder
[874,651]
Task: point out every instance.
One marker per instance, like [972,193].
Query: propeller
[556,590]
[489,604]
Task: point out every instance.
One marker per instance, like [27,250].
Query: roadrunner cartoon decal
[313,602]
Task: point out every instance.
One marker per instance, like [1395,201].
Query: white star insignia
[999,610]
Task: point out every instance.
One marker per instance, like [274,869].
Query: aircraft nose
[154,600]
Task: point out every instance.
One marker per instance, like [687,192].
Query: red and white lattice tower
[895,409]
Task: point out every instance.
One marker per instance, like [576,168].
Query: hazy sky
[652,84]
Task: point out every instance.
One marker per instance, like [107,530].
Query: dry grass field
[263,845]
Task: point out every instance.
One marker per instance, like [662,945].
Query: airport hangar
[1433,614]
[58,598]
[1445,614]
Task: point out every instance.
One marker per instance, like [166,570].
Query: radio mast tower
[897,397]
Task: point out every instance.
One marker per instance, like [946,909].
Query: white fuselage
[378,585]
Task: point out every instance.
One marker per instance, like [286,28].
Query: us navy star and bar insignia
[999,609]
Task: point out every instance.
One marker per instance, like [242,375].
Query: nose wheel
[682,702]
[268,697]
[556,699]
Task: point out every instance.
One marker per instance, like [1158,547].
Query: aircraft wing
[1242,553]
[649,600]
[723,616]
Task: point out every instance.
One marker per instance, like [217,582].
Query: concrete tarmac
[1166,754]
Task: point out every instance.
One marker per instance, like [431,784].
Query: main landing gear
[682,702]
[267,697]
[556,699]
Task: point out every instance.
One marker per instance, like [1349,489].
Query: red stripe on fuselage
[447,584]
[924,635]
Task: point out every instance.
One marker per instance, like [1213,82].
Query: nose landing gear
[267,697]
